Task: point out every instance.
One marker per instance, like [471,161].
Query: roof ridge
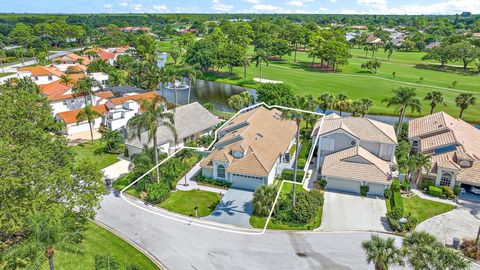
[386,135]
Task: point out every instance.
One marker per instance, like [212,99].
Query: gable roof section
[70,117]
[143,96]
[362,128]
[340,164]
[42,71]
[72,57]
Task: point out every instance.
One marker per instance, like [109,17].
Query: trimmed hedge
[448,192]
[435,191]
[396,200]
[158,192]
[301,163]
[364,189]
[288,175]
[457,190]
[212,182]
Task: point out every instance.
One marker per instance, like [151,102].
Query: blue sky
[242,6]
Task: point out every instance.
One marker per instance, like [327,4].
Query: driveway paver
[235,208]
[346,212]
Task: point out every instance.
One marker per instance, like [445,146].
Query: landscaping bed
[100,242]
[96,153]
[422,209]
[184,202]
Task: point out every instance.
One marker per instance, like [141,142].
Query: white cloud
[252,1]
[269,8]
[441,7]
[295,3]
[372,2]
[219,7]
[160,8]
[107,6]
[123,4]
[333,1]
[137,7]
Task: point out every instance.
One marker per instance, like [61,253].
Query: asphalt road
[184,246]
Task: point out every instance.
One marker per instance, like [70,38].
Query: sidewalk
[193,184]
[431,198]
[116,170]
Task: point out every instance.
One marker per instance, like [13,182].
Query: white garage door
[343,185]
[245,182]
[376,189]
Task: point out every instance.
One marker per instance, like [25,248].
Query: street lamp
[185,164]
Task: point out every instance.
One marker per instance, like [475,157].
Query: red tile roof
[144,96]
[70,117]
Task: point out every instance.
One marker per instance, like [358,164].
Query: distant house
[71,59]
[40,74]
[373,40]
[454,147]
[251,149]
[108,55]
[189,30]
[191,122]
[432,45]
[355,151]
[69,119]
[133,29]
[359,27]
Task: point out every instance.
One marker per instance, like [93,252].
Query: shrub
[158,192]
[322,183]
[457,190]
[263,199]
[468,248]
[212,182]
[301,163]
[448,192]
[288,175]
[306,144]
[387,193]
[106,262]
[396,200]
[307,206]
[364,190]
[405,185]
[426,183]
[435,191]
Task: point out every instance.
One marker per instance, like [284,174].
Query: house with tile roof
[452,144]
[39,74]
[250,149]
[191,121]
[355,151]
[62,63]
[108,55]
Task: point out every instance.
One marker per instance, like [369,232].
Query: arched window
[446,179]
[220,171]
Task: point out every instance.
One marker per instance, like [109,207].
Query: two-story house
[62,63]
[250,149]
[39,74]
[452,144]
[355,151]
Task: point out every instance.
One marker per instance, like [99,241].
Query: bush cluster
[435,191]
[288,175]
[158,192]
[212,182]
[306,208]
[301,163]
[468,248]
[364,189]
[426,183]
[322,184]
[396,201]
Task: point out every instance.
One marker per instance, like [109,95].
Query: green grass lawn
[184,202]
[5,74]
[423,209]
[259,222]
[94,151]
[99,241]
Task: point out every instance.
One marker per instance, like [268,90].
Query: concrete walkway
[191,184]
[117,170]
[432,198]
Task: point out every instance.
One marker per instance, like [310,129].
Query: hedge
[212,182]
[435,191]
[288,175]
[426,183]
[396,198]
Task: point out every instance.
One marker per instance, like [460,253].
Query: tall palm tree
[88,114]
[325,101]
[192,72]
[435,98]
[259,57]
[299,103]
[247,98]
[236,102]
[463,101]
[153,77]
[85,87]
[65,79]
[404,98]
[417,163]
[420,249]
[245,61]
[389,49]
[153,114]
[341,102]
[382,252]
[47,233]
[360,107]
[171,73]
[113,140]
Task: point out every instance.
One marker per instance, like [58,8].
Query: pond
[207,91]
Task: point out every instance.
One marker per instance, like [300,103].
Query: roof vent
[258,136]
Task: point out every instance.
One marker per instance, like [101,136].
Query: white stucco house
[250,149]
[355,151]
[191,122]
[454,147]
[40,75]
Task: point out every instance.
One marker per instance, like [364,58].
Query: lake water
[207,91]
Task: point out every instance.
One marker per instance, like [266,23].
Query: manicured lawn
[422,209]
[184,202]
[259,222]
[94,151]
[99,241]
[5,74]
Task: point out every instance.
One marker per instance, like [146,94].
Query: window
[65,102]
[50,78]
[446,179]
[221,171]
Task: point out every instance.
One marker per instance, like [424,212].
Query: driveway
[346,212]
[235,208]
[461,222]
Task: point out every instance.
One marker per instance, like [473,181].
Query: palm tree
[360,107]
[463,101]
[417,163]
[259,57]
[88,114]
[245,61]
[247,98]
[263,199]
[65,79]
[153,77]
[236,102]
[389,49]
[299,103]
[403,99]
[325,101]
[435,98]
[341,102]
[382,252]
[192,72]
[46,234]
[20,53]
[113,140]
[85,87]
[153,115]
[171,74]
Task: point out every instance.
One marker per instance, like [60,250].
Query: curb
[145,252]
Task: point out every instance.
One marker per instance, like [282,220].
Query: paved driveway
[345,212]
[235,208]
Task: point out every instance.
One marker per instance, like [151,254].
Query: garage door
[343,185]
[246,183]
[376,189]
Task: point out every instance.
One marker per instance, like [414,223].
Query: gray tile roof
[189,120]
